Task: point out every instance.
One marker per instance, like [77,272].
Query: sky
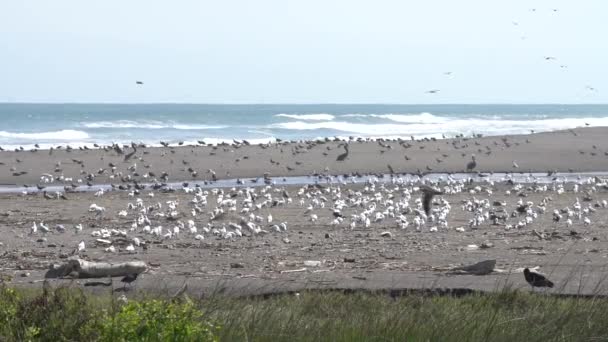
[312,51]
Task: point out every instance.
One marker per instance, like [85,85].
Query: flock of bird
[381,205]
[548,59]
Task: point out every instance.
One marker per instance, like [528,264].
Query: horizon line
[311,103]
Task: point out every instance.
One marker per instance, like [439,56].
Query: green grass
[69,314]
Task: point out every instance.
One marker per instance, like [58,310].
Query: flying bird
[428,197]
[536,279]
[139,82]
[432,91]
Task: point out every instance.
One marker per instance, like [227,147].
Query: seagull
[139,82]
[428,197]
[536,279]
[81,246]
[432,91]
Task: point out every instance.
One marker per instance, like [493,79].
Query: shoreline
[577,150]
[524,178]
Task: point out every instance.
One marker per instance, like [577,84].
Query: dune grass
[68,314]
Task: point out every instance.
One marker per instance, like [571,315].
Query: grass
[68,314]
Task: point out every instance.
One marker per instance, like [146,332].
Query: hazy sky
[307,51]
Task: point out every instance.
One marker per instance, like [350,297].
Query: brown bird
[472,164]
[343,156]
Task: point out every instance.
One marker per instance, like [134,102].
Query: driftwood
[480,268]
[78,268]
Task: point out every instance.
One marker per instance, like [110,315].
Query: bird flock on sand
[381,205]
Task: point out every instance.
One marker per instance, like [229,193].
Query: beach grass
[67,313]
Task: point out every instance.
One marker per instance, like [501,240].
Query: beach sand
[574,257]
[555,151]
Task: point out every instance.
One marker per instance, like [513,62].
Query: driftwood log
[78,268]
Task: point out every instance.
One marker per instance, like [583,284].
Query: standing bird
[343,155]
[428,197]
[472,164]
[129,278]
[536,279]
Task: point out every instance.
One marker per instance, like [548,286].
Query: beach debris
[486,244]
[303,269]
[312,263]
[86,269]
[481,268]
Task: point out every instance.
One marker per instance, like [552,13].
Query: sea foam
[147,125]
[64,135]
[311,117]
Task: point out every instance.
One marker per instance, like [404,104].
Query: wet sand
[562,151]
[573,256]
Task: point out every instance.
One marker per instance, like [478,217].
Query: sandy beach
[573,150]
[319,254]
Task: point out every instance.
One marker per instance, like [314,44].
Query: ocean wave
[423,117]
[146,125]
[448,126]
[311,117]
[355,115]
[412,118]
[343,126]
[193,127]
[64,135]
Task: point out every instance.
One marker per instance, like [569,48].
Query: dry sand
[574,257]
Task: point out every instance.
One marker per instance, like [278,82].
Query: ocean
[85,124]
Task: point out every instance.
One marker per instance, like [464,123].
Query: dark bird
[536,279]
[343,156]
[128,156]
[428,197]
[472,164]
[129,278]
[139,82]
[432,91]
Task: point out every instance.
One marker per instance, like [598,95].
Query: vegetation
[71,314]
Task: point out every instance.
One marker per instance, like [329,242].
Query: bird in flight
[432,91]
[550,58]
[139,82]
[447,73]
[428,197]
